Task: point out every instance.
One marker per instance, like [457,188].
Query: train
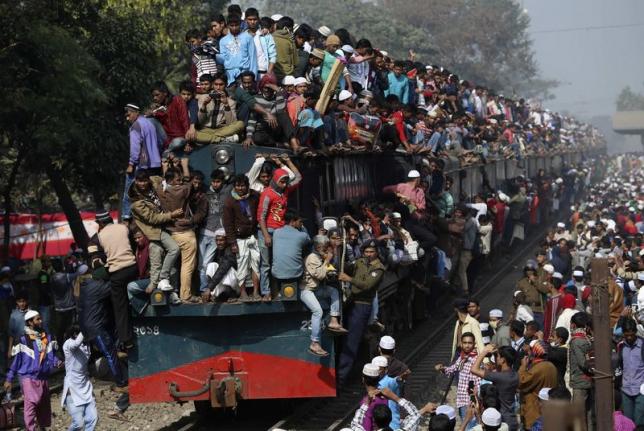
[219,355]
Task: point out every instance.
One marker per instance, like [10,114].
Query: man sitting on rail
[289,243]
[317,269]
[221,272]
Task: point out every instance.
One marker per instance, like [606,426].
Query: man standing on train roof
[33,363]
[367,272]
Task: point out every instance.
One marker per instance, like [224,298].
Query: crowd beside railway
[233,237]
[532,367]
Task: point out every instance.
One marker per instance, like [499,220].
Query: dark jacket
[61,286]
[94,308]
[237,223]
[173,198]
[198,207]
[226,260]
[559,358]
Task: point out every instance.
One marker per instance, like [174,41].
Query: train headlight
[289,291]
[222,156]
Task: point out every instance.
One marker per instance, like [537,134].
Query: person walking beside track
[33,362]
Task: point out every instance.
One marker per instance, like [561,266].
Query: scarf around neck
[41,341]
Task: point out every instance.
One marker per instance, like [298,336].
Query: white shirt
[77,384]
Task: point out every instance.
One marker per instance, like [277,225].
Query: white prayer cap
[371,370]
[446,410]
[387,343]
[491,417]
[31,314]
[325,31]
[496,313]
[544,394]
[380,361]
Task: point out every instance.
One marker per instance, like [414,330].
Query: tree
[363,21]
[628,100]
[483,41]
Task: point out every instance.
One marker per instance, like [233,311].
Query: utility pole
[603,375]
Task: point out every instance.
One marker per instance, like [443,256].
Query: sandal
[318,351]
[337,329]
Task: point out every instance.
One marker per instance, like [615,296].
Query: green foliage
[628,100]
[362,20]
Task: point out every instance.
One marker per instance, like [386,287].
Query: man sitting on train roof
[217,113]
[259,130]
[317,270]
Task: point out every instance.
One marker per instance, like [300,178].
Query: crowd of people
[531,367]
[236,238]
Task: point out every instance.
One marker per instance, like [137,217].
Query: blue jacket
[26,360]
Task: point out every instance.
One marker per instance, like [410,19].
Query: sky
[593,65]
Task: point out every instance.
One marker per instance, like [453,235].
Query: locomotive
[220,354]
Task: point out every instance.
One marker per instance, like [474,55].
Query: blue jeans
[462,411]
[105,344]
[126,211]
[633,408]
[265,259]
[82,416]
[355,323]
[207,248]
[136,294]
[311,298]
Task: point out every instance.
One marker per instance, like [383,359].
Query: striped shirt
[278,104]
[463,365]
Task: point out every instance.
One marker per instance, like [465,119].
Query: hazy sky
[594,64]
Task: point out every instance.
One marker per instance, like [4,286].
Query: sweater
[114,239]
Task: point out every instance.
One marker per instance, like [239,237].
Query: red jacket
[273,204]
[174,119]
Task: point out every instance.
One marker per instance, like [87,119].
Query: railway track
[428,344]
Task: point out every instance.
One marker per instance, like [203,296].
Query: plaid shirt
[463,365]
[410,423]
